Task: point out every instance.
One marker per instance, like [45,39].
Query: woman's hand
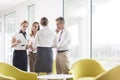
[33,49]
[15,42]
[28,46]
[18,41]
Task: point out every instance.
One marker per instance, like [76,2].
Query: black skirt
[44,59]
[20,59]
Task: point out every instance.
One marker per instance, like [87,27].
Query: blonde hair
[31,33]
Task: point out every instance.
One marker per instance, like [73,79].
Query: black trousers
[20,59]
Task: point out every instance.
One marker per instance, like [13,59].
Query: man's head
[60,23]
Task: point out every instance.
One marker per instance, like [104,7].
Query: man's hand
[57,30]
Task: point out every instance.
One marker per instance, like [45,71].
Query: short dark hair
[44,21]
[61,19]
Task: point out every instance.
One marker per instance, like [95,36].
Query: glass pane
[0,37]
[75,13]
[9,30]
[105,32]
[31,14]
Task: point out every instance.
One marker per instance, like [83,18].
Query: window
[0,37]
[106,32]
[9,30]
[76,13]
[31,14]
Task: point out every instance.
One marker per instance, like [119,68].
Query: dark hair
[44,21]
[24,22]
[37,29]
[61,19]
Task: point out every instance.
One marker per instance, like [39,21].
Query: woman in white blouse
[19,43]
[45,39]
[32,53]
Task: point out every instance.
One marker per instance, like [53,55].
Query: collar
[22,32]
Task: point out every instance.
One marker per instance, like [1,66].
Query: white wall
[21,14]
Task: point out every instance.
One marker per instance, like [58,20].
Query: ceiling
[5,4]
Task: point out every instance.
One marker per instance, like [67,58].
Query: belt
[32,52]
[62,51]
[43,47]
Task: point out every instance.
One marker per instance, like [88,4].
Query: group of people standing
[39,45]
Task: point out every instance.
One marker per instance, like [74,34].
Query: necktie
[60,36]
[59,39]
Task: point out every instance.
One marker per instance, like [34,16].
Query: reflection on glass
[105,32]
[9,30]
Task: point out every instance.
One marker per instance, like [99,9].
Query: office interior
[93,24]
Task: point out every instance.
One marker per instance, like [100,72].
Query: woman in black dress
[19,43]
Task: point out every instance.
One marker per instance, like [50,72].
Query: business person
[32,53]
[19,43]
[63,44]
[44,41]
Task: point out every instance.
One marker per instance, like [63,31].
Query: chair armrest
[112,74]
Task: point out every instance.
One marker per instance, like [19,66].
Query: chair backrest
[11,71]
[7,69]
[112,74]
[86,68]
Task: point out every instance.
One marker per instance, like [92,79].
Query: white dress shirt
[64,43]
[44,38]
[24,42]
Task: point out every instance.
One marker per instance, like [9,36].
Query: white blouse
[45,38]
[31,41]
[24,42]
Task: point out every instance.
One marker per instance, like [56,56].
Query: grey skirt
[44,59]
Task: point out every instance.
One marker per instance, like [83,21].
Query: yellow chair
[86,69]
[3,77]
[11,71]
[54,67]
[112,74]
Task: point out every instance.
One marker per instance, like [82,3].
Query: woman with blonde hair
[32,53]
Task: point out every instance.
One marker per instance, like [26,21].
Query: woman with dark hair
[19,43]
[32,53]
[44,41]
